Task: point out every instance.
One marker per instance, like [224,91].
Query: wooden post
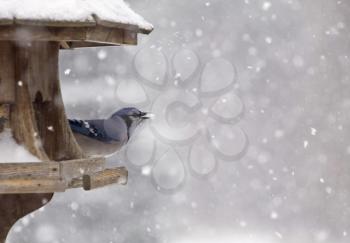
[106,177]
[30,84]
[7,84]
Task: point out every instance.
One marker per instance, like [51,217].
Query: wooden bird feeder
[30,96]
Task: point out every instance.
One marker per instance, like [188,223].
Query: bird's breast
[93,147]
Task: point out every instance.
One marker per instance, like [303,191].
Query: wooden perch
[76,168]
[44,185]
[106,177]
[49,177]
[49,170]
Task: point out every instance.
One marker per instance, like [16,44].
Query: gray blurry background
[290,185]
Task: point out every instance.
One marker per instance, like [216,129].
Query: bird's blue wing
[90,128]
[110,130]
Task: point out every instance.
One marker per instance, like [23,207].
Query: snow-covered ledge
[78,23]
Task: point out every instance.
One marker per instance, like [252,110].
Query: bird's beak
[145,115]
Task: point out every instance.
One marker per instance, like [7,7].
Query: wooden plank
[37,33]
[7,73]
[99,34]
[22,117]
[55,23]
[75,183]
[16,206]
[77,168]
[42,68]
[58,140]
[6,21]
[130,38]
[49,170]
[80,44]
[104,178]
[105,35]
[19,186]
[63,170]
[85,23]
[46,177]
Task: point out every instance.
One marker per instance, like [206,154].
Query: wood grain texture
[22,117]
[40,185]
[96,35]
[104,178]
[7,73]
[49,177]
[77,168]
[75,183]
[36,66]
[58,140]
[6,21]
[13,207]
[30,170]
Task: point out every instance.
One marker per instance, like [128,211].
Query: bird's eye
[134,115]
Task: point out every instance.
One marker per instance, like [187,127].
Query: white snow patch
[279,235]
[274,215]
[74,206]
[268,40]
[313,131]
[266,6]
[12,152]
[67,71]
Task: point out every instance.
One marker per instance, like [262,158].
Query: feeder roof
[102,14]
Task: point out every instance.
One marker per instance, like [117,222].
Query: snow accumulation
[71,11]
[10,151]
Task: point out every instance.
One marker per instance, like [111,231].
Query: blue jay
[104,137]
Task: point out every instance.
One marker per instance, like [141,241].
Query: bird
[104,137]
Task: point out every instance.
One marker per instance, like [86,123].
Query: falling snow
[256,146]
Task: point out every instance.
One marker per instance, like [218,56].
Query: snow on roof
[61,13]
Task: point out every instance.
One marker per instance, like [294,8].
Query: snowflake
[196,114]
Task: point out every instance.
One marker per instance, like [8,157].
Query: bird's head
[132,117]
